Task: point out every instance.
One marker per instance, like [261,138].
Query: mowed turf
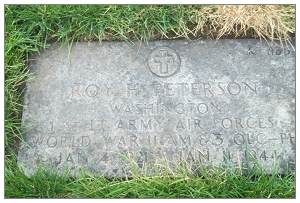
[30,29]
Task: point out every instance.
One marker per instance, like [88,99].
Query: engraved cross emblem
[164,61]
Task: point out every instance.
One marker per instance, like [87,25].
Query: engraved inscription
[228,103]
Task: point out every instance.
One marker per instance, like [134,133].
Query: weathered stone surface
[100,106]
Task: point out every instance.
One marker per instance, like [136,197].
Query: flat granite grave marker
[106,107]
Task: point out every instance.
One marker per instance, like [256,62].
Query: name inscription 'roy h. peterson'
[107,105]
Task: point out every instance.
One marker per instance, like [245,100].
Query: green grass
[29,29]
[217,184]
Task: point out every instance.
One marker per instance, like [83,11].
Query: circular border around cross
[173,53]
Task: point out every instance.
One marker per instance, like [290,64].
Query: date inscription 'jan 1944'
[103,107]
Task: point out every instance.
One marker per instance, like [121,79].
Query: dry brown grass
[273,22]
